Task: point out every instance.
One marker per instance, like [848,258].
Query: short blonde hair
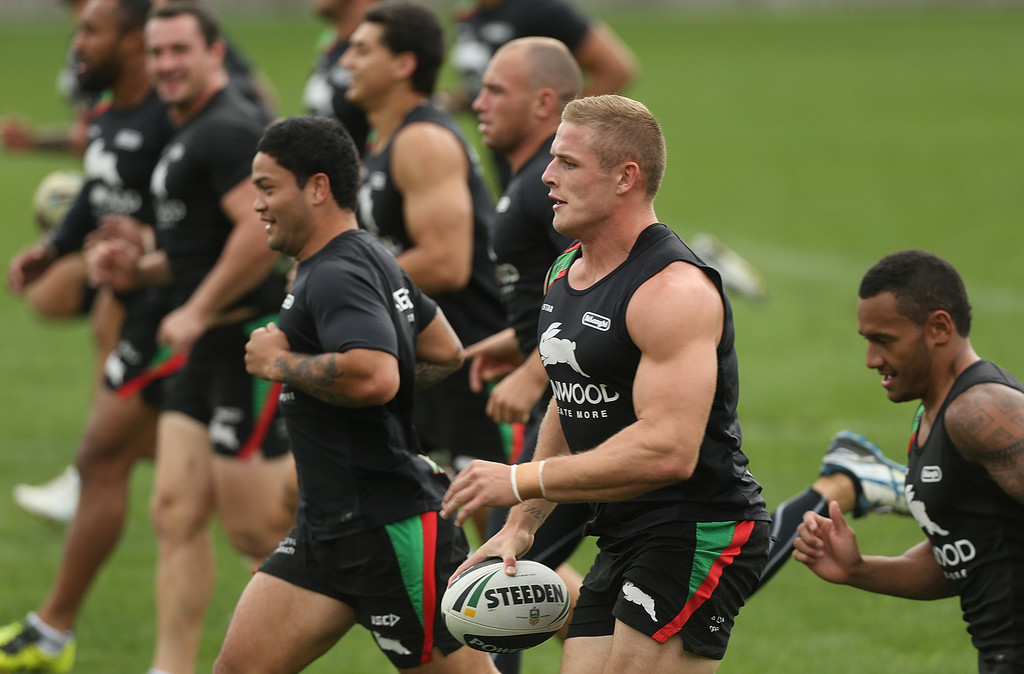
[625,131]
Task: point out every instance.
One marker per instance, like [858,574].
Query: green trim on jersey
[561,265]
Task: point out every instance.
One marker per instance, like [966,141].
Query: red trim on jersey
[740,535]
[428,521]
[160,370]
[259,431]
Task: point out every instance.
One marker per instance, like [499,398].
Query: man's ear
[939,326]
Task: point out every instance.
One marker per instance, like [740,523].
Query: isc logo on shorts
[389,620]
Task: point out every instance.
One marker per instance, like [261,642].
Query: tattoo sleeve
[428,374]
[987,426]
[316,375]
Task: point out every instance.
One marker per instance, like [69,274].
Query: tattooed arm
[355,378]
[438,352]
[986,423]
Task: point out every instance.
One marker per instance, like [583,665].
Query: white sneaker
[55,500]
[738,275]
[879,480]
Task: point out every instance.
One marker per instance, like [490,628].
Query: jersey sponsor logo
[388,644]
[508,276]
[110,200]
[289,300]
[920,514]
[632,593]
[402,301]
[931,474]
[596,321]
[547,307]
[129,140]
[580,394]
[554,350]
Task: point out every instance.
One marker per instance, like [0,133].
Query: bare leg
[251,499]
[117,434]
[182,505]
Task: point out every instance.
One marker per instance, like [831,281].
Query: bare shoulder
[986,423]
[678,302]
[424,152]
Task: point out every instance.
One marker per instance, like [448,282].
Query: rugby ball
[54,196]
[490,611]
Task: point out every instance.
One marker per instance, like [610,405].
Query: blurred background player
[54,294]
[125,142]
[221,446]
[356,338]
[19,135]
[432,214]
[607,63]
[324,94]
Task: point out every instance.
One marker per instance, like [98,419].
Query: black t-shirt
[975,528]
[592,360]
[210,155]
[525,246]
[324,94]
[479,33]
[358,467]
[474,311]
[124,145]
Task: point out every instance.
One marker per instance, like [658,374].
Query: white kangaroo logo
[920,514]
[554,350]
[634,594]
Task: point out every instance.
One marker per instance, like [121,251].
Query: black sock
[786,518]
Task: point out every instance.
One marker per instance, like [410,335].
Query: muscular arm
[438,207]
[243,263]
[828,546]
[438,352]
[986,423]
[608,63]
[354,378]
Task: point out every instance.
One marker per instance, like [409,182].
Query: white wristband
[515,486]
[540,479]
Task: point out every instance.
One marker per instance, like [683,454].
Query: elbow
[378,390]
[451,278]
[675,468]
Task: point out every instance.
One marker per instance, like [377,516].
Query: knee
[175,518]
[257,538]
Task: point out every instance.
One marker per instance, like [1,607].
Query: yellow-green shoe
[20,651]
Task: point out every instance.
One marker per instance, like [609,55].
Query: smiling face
[283,205]
[897,348]
[583,192]
[179,61]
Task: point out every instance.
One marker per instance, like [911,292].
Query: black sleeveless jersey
[479,33]
[210,155]
[592,361]
[124,145]
[975,528]
[324,94]
[525,246]
[475,311]
[357,467]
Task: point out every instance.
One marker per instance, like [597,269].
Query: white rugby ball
[493,612]
[54,196]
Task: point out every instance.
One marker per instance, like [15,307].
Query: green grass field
[812,143]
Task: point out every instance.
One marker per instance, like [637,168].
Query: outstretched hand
[827,545]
